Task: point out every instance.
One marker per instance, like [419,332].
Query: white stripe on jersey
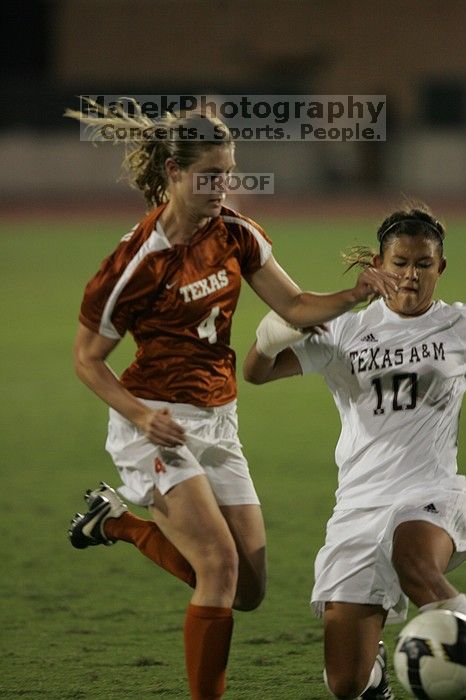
[156,241]
[264,246]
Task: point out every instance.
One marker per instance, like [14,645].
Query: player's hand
[160,428]
[375,281]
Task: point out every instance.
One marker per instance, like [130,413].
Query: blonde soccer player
[173,284]
[397,373]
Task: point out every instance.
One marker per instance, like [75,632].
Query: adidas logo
[369,338]
[431,508]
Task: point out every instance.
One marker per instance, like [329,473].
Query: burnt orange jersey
[177,301]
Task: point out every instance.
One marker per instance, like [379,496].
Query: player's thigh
[421,544]
[246,525]
[190,518]
[352,632]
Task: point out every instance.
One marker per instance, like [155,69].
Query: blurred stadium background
[103,624]
[410,50]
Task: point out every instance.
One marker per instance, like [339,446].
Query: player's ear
[172,169]
[377,261]
[442,266]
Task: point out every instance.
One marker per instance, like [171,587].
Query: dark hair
[171,136]
[410,222]
[414,220]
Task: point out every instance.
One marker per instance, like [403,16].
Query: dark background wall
[411,50]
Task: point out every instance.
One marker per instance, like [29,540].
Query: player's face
[418,262]
[208,175]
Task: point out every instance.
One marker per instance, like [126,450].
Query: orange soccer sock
[150,540]
[207,636]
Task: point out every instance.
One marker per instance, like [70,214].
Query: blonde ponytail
[149,143]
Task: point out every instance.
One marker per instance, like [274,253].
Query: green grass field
[105,623]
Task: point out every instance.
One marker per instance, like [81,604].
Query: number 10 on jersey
[401,385]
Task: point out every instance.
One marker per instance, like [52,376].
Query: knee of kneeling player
[345,687]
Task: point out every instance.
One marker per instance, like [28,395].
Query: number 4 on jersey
[206,328]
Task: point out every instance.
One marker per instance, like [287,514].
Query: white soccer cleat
[87,530]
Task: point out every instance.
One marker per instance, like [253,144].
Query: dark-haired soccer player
[397,373]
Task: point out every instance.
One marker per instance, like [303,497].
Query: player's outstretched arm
[303,309]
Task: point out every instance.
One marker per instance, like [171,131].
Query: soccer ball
[430,656]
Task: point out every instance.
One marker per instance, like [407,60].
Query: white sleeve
[460,328]
[315,352]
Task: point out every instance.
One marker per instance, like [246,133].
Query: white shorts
[355,564]
[212,448]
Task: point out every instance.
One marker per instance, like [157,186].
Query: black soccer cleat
[88,530]
[383,690]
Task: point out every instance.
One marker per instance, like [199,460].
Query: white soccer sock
[375,677]
[326,681]
[456,604]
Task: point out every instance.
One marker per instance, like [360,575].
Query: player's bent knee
[253,601]
[221,564]
[251,588]
[345,688]
[249,600]
[347,692]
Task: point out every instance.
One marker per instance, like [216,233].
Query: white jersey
[398,384]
